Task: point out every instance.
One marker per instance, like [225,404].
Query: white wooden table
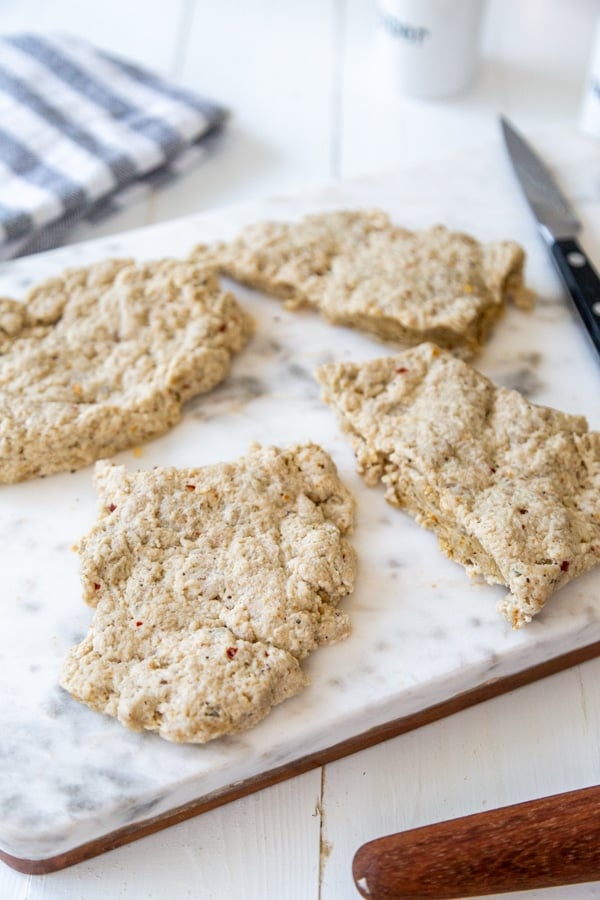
[306,107]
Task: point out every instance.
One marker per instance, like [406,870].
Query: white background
[308,105]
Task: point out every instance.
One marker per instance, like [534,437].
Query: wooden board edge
[491,688]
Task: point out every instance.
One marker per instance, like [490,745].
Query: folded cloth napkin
[81,133]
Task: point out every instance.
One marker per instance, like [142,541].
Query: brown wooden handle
[538,844]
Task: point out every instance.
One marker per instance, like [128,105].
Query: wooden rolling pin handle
[542,843]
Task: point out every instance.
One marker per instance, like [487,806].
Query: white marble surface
[422,631]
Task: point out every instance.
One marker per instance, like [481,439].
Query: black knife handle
[582,282]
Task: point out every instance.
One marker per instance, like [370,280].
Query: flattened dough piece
[360,270]
[511,489]
[210,585]
[102,358]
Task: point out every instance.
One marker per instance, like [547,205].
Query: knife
[541,843]
[558,225]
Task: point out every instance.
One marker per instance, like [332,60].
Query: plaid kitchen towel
[82,133]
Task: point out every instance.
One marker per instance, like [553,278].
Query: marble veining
[422,631]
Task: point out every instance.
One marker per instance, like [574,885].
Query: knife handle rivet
[596,308]
[575,259]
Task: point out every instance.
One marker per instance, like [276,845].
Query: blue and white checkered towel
[81,132]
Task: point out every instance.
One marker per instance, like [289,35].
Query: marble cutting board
[425,641]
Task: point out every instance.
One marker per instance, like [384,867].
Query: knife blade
[558,225]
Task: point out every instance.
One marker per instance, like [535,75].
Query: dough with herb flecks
[210,585]
[361,270]
[511,489]
[102,358]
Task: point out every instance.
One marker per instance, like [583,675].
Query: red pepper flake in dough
[139,623]
[190,487]
[112,507]
[401,370]
[231,651]
[523,511]
[96,586]
[564,566]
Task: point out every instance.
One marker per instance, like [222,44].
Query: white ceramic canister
[589,118]
[428,48]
